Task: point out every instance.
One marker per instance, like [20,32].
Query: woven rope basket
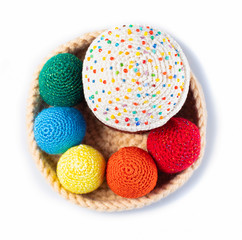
[108,141]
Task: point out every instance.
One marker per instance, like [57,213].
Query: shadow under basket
[108,141]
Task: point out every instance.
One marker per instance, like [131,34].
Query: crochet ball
[60,80]
[81,169]
[174,146]
[131,172]
[58,128]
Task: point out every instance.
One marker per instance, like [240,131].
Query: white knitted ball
[135,78]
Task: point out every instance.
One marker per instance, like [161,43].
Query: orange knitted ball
[131,172]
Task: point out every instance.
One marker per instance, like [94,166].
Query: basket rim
[124,203]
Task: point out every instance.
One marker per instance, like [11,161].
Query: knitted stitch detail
[131,172]
[60,80]
[56,129]
[81,169]
[175,146]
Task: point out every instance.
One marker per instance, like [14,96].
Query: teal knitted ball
[60,80]
[56,129]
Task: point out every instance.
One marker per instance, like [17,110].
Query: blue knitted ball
[57,129]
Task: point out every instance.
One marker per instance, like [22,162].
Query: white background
[209,205]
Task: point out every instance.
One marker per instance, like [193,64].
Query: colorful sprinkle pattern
[135,78]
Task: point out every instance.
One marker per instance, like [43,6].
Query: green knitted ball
[60,81]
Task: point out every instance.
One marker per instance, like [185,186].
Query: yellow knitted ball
[81,169]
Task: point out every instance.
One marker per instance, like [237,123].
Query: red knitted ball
[174,146]
[131,172]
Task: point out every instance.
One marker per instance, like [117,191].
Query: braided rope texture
[108,141]
[174,146]
[131,172]
[60,80]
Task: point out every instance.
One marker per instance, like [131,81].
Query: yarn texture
[104,199]
[81,169]
[131,172]
[135,78]
[60,81]
[175,146]
[58,128]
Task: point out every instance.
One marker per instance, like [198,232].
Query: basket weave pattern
[108,141]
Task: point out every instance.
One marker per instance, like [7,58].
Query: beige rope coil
[108,141]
